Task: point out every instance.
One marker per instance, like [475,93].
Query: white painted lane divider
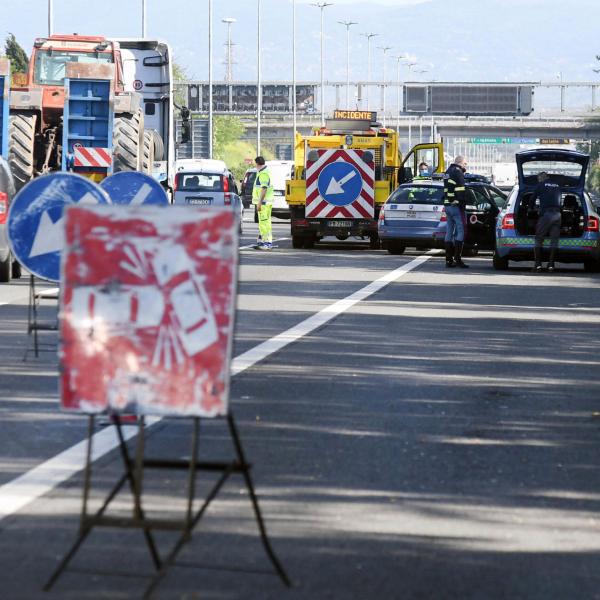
[42,479]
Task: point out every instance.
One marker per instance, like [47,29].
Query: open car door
[432,154]
[567,168]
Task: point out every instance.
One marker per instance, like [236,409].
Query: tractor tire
[21,144]
[127,150]
[159,145]
[148,156]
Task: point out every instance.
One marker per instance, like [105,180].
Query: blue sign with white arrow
[339,183]
[131,187]
[36,220]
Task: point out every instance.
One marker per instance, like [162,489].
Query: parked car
[247,185]
[9,267]
[281,171]
[414,216]
[579,234]
[206,182]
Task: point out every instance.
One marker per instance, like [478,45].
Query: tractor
[37,102]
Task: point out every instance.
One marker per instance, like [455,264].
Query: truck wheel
[500,263]
[309,242]
[21,143]
[374,243]
[592,266]
[297,241]
[126,143]
[5,268]
[159,145]
[148,156]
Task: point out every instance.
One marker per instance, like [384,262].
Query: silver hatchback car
[206,183]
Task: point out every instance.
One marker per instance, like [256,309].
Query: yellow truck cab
[344,172]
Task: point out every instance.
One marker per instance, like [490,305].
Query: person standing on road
[454,205]
[262,197]
[549,219]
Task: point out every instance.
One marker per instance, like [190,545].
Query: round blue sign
[339,183]
[35,219]
[131,187]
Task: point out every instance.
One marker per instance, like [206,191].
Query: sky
[450,40]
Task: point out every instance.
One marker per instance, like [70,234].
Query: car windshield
[199,182]
[50,66]
[570,169]
[416,194]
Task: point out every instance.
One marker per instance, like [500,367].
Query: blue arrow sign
[339,183]
[131,187]
[35,219]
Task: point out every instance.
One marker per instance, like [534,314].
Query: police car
[579,240]
[414,216]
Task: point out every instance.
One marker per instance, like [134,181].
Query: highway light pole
[144,19]
[258,81]
[410,66]
[398,94]
[322,6]
[369,36]
[385,49]
[348,24]
[229,61]
[210,85]
[50,18]
[294,108]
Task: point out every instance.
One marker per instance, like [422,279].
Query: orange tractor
[37,103]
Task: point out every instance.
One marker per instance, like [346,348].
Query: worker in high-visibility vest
[262,198]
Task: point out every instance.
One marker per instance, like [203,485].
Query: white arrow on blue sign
[339,183]
[132,187]
[35,219]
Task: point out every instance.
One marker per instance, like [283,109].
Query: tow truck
[344,173]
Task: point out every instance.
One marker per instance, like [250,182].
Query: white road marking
[43,478]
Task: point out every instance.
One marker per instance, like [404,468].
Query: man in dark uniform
[454,206]
[549,219]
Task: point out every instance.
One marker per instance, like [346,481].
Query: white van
[206,182]
[281,171]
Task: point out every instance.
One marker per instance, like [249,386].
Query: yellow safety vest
[263,179]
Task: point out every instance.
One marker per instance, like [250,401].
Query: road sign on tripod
[36,219]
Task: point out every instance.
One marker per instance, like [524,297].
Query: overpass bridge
[577,127]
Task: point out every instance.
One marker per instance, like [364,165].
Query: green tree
[226,131]
[179,76]
[17,56]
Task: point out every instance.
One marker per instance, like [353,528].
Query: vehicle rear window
[570,169]
[199,182]
[417,195]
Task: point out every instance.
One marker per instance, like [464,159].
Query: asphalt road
[438,439]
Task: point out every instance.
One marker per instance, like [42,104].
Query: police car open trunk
[565,168]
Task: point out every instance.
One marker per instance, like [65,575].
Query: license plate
[340,223]
[411,214]
[201,201]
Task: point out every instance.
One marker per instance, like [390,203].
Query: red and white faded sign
[147,309]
